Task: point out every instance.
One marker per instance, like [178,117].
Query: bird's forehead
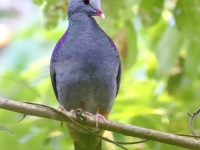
[95,3]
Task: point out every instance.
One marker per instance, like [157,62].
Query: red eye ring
[86,2]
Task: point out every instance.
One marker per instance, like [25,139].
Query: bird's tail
[87,142]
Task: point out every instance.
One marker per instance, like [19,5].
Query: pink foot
[62,109]
[97,116]
[72,111]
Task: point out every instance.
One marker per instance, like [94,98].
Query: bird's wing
[118,79]
[53,79]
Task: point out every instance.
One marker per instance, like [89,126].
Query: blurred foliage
[158,41]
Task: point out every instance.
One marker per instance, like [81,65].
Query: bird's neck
[81,21]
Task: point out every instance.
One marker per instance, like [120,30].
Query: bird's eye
[86,2]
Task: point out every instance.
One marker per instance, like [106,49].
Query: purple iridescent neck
[59,45]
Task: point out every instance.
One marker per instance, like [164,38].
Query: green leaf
[187,18]
[192,63]
[168,49]
[54,11]
[38,2]
[111,9]
[156,32]
[150,11]
[132,44]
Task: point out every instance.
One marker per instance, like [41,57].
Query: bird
[85,69]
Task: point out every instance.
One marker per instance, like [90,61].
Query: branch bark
[128,130]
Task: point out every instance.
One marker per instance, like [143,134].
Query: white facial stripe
[95,4]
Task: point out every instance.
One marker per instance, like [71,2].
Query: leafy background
[158,41]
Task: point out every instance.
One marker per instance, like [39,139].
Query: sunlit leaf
[192,63]
[132,44]
[187,18]
[168,49]
[150,11]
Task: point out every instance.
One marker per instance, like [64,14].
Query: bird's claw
[78,113]
[72,111]
[97,116]
[62,109]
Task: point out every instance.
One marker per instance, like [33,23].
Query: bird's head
[89,7]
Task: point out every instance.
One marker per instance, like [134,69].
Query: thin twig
[130,143]
[195,114]
[187,135]
[24,116]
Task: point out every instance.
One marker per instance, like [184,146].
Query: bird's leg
[72,111]
[61,107]
[97,116]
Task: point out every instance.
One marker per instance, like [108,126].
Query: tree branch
[128,130]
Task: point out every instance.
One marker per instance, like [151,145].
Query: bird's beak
[100,13]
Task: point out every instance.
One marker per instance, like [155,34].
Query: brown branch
[128,130]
